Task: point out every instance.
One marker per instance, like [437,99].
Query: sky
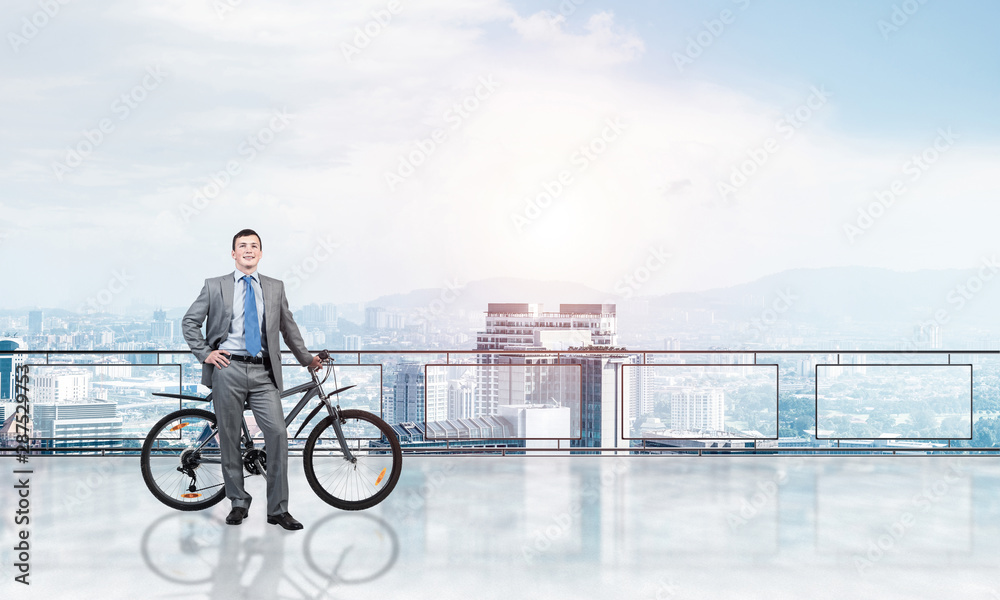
[380,147]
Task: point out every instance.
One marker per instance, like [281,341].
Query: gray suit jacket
[216,302]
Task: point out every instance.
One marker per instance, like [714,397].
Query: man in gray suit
[241,365]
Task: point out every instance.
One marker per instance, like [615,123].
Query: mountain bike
[352,458]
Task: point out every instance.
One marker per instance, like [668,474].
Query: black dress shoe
[236,515]
[285,520]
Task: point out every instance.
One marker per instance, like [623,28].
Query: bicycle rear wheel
[181,468]
[358,484]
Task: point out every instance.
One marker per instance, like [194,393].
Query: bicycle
[352,458]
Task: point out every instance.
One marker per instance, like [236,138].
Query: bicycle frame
[316,388]
[312,389]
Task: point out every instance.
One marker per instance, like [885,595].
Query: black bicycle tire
[397,462]
[147,476]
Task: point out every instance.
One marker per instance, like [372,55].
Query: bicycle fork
[335,414]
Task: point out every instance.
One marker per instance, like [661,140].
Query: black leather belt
[250,359]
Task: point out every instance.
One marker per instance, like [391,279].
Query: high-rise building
[461,397]
[601,382]
[352,342]
[512,326]
[35,322]
[60,385]
[317,315]
[436,393]
[698,410]
[927,336]
[376,317]
[329,314]
[161,331]
[411,394]
[8,365]
[637,391]
[74,424]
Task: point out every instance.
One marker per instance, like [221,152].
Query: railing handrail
[531,351]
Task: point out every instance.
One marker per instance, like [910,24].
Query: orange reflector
[179,426]
[191,495]
[380,476]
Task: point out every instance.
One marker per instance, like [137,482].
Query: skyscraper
[461,397]
[411,394]
[512,326]
[376,318]
[698,410]
[35,322]
[352,342]
[161,330]
[8,364]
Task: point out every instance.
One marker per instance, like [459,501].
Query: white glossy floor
[540,527]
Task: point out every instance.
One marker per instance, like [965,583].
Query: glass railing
[570,402]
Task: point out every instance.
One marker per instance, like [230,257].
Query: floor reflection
[200,550]
[529,527]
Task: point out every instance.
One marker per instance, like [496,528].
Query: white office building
[60,385]
[698,410]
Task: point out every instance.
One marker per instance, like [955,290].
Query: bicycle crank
[255,461]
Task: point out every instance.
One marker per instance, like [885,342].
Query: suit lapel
[227,297]
[267,286]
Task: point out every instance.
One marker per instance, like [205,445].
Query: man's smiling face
[247,253]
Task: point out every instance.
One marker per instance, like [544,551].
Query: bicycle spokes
[181,460]
[354,470]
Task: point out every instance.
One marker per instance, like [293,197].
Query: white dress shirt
[236,343]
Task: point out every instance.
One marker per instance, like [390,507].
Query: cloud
[604,43]
[656,184]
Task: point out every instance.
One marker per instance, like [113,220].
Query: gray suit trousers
[230,386]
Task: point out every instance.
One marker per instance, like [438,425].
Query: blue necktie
[251,325]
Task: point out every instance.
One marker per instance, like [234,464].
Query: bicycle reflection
[198,549]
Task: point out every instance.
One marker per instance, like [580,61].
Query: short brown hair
[247,233]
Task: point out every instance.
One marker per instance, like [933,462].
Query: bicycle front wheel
[365,480]
[181,462]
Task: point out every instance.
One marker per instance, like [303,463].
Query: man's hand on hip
[219,358]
